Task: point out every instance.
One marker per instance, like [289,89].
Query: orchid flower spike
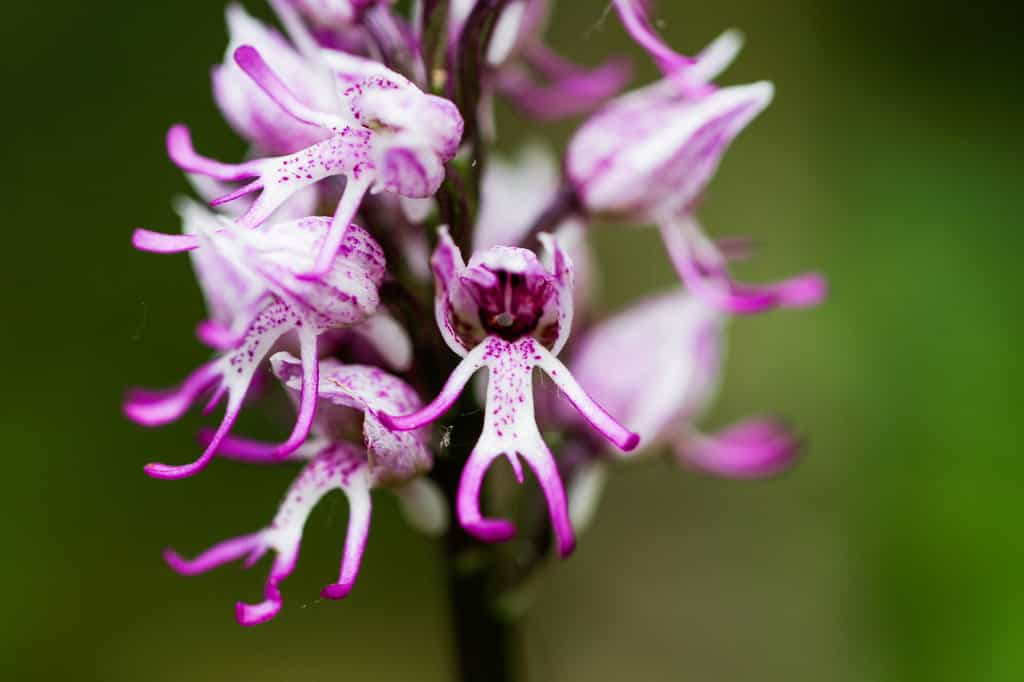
[387,136]
[648,157]
[260,298]
[680,367]
[347,394]
[507,312]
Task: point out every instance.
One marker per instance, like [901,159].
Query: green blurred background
[890,160]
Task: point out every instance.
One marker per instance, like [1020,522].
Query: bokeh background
[890,160]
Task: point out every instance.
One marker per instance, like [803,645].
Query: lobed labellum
[274,258]
[335,466]
[395,459]
[510,426]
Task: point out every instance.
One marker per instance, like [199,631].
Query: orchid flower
[508,313]
[263,299]
[379,337]
[648,157]
[389,135]
[683,340]
[347,395]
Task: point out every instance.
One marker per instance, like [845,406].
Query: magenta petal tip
[490,530]
[177,134]
[256,614]
[805,291]
[246,55]
[566,547]
[177,563]
[158,242]
[336,591]
[179,143]
[168,472]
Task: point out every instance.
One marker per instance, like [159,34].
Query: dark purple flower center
[510,304]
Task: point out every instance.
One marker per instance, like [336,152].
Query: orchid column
[372,258]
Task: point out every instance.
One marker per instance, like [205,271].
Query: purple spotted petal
[354,393]
[510,429]
[273,260]
[232,375]
[230,292]
[454,309]
[389,136]
[651,153]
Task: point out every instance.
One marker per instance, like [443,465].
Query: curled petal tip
[158,242]
[255,614]
[178,134]
[490,530]
[336,591]
[179,144]
[167,472]
[177,563]
[566,547]
[138,409]
[631,442]
[808,290]
[246,55]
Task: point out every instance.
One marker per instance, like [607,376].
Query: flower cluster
[368,190]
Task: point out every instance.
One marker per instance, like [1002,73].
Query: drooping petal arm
[704,271]
[604,423]
[451,391]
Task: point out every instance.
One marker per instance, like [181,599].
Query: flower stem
[483,639]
